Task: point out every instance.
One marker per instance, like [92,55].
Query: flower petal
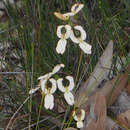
[82,114]
[85,47]
[45,91]
[68,29]
[79,124]
[43,84]
[71,84]
[51,105]
[82,31]
[61,46]
[73,38]
[33,90]
[46,76]
[75,117]
[76,8]
[49,101]
[61,16]
[60,85]
[69,14]
[66,34]
[57,68]
[53,89]
[69,98]
[59,33]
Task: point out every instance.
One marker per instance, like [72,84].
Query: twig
[15,72]
[16,113]
[36,123]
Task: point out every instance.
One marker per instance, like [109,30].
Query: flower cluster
[74,10]
[49,98]
[65,31]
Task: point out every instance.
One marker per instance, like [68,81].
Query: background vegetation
[29,40]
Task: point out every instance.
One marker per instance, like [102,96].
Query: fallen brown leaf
[128,88]
[111,125]
[124,119]
[100,111]
[100,72]
[111,90]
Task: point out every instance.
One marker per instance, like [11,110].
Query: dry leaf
[99,74]
[100,112]
[124,119]
[59,106]
[128,88]
[102,68]
[112,89]
[111,125]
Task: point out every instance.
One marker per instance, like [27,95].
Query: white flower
[67,90]
[33,90]
[49,98]
[61,46]
[74,10]
[79,119]
[57,68]
[80,40]
[43,79]
[54,71]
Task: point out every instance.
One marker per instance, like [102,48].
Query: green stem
[39,111]
[32,51]
[77,75]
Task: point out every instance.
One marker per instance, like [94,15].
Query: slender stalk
[39,111]
[16,113]
[77,74]
[30,108]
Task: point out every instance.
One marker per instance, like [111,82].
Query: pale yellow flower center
[49,91]
[66,89]
[79,119]
[80,40]
[63,36]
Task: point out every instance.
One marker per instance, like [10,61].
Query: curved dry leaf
[99,109]
[99,74]
[124,118]
[102,68]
